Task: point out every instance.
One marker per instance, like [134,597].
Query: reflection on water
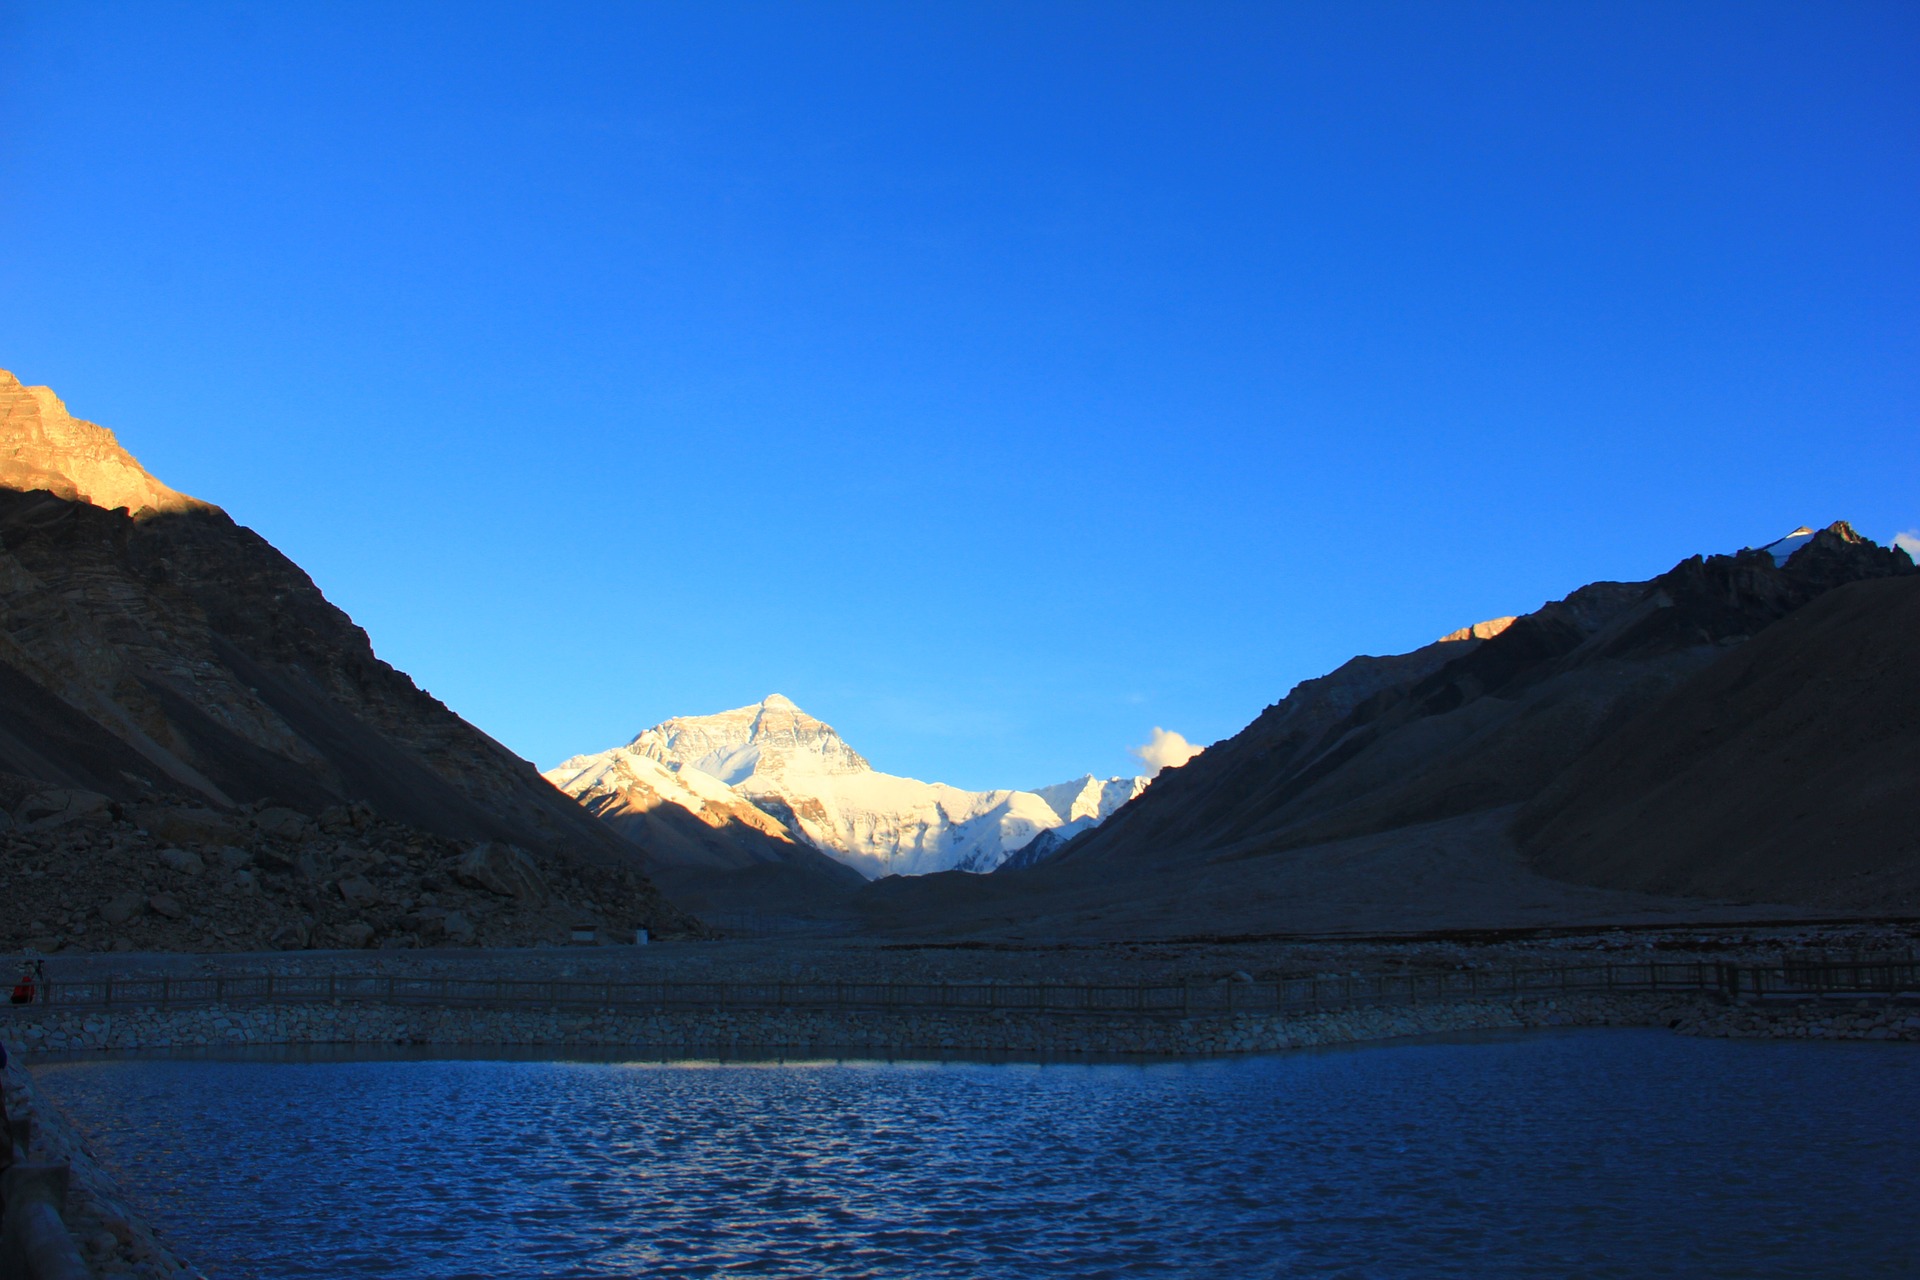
[1617,1153]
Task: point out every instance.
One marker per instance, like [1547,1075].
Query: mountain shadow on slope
[1397,769]
[1483,724]
[170,655]
[1788,770]
[729,869]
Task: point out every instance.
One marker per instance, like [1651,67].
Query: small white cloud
[1909,542]
[1165,748]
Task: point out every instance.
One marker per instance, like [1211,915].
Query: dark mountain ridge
[1407,771]
[1789,769]
[1487,727]
[168,655]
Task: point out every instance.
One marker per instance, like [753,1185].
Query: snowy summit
[799,773]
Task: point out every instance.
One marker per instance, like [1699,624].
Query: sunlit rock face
[628,780]
[1478,631]
[799,773]
[42,446]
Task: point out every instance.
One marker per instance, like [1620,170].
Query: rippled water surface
[1617,1153]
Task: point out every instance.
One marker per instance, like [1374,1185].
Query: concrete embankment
[905,1030]
[111,1238]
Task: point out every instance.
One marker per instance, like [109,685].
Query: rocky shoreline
[114,1240]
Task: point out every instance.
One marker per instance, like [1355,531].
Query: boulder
[165,904]
[428,922]
[284,824]
[273,860]
[45,810]
[358,891]
[181,860]
[290,937]
[124,907]
[457,927]
[350,851]
[233,859]
[357,934]
[189,826]
[503,869]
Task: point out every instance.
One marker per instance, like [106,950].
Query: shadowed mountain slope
[1789,769]
[1350,799]
[168,651]
[712,849]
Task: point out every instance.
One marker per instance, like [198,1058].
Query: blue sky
[997,381]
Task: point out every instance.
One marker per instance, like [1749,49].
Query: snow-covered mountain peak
[1090,797]
[772,736]
[1783,549]
[797,772]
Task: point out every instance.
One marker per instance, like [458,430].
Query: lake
[1589,1153]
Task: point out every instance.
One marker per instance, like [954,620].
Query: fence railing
[1790,980]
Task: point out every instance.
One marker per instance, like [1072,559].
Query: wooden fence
[1810,979]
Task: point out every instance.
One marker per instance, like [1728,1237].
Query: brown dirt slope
[1789,770]
[1383,793]
[216,661]
[1466,727]
[726,869]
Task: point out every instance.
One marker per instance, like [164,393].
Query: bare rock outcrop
[42,446]
[502,869]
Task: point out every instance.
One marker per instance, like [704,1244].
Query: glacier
[803,778]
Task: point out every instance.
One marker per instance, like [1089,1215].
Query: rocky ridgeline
[82,872]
